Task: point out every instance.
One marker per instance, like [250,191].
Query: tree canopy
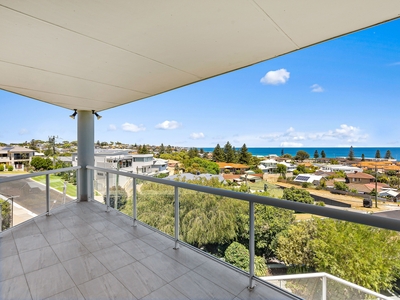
[297,195]
[351,154]
[301,155]
[361,254]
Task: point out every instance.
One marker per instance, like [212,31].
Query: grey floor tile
[95,242]
[83,230]
[186,256]
[71,220]
[195,286]
[15,289]
[70,249]
[103,224]
[84,268]
[71,294]
[228,279]
[38,259]
[158,241]
[118,236]
[10,267]
[113,258]
[49,281]
[165,292]
[138,249]
[105,287]
[166,267]
[58,236]
[139,230]
[261,292]
[48,223]
[7,247]
[25,229]
[31,242]
[138,279]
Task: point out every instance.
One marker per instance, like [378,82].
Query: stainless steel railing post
[251,245]
[176,218]
[107,191]
[47,194]
[134,208]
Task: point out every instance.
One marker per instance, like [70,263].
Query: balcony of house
[92,250]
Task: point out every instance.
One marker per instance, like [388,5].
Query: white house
[268,165]
[335,168]
[310,178]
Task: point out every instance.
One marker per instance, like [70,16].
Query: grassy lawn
[272,189]
[57,183]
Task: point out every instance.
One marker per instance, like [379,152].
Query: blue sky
[340,93]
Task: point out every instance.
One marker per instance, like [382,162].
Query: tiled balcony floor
[83,252]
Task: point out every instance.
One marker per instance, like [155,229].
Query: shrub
[1,167]
[320,203]
[306,185]
[10,168]
[238,255]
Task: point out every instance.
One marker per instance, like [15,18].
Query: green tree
[301,155]
[323,155]
[193,152]
[378,154]
[218,154]
[364,255]
[162,149]
[281,169]
[316,155]
[229,153]
[362,157]
[351,154]
[169,149]
[245,155]
[294,245]
[388,154]
[238,255]
[297,195]
[341,186]
[40,163]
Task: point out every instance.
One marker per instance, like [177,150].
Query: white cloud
[290,138]
[290,144]
[196,136]
[112,127]
[132,127]
[276,77]
[316,88]
[169,125]
[23,131]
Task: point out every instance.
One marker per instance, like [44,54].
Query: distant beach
[331,152]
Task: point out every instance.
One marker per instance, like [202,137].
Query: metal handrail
[365,219]
[45,173]
[355,217]
[324,275]
[30,175]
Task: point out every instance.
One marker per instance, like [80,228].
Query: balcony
[87,250]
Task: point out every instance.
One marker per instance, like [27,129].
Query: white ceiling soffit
[100,54]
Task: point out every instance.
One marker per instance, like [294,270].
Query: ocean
[331,152]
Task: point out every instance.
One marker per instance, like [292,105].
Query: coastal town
[356,183]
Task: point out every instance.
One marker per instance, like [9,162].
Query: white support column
[85,151]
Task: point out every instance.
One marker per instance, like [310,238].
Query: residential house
[268,165]
[16,156]
[308,178]
[359,177]
[232,168]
